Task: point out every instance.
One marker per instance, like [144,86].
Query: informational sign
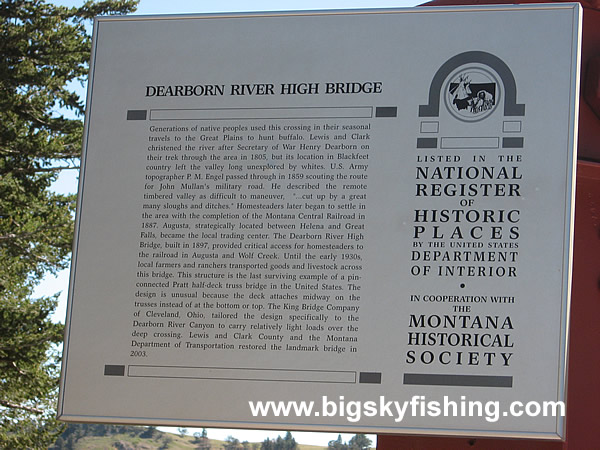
[366,210]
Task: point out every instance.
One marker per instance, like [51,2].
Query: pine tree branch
[14,236]
[46,169]
[12,405]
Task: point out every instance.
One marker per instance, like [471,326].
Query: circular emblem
[471,93]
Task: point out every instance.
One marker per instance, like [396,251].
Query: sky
[67,183]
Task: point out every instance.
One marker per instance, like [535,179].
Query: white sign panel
[367,210]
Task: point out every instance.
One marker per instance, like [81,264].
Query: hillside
[121,437]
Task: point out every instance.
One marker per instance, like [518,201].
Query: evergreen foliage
[337,444]
[357,442]
[44,49]
[286,443]
[76,431]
